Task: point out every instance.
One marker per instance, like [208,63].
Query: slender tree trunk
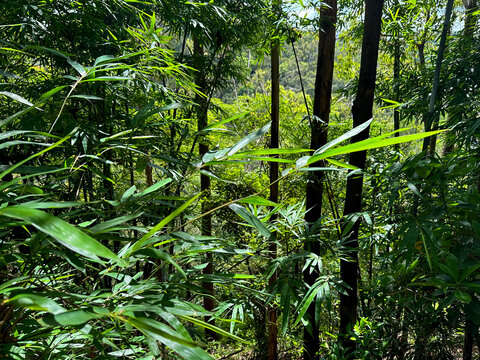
[206,226]
[468,340]
[423,41]
[470,22]
[275,116]
[470,17]
[149,175]
[319,128]
[396,79]
[429,142]
[362,112]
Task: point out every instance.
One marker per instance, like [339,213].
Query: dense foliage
[104,205]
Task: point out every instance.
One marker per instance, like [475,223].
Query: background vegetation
[136,219]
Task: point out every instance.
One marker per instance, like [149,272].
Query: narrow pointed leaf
[155,187]
[162,223]
[212,327]
[16,97]
[257,200]
[346,136]
[368,144]
[66,234]
[248,139]
[172,339]
[13,167]
[36,302]
[80,69]
[251,219]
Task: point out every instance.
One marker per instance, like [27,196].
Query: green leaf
[271,151]
[80,69]
[414,190]
[247,158]
[251,219]
[16,98]
[158,254]
[104,59]
[470,270]
[453,265]
[87,97]
[224,121]
[316,288]
[66,234]
[342,138]
[52,205]
[155,187]
[212,327]
[13,167]
[41,100]
[213,176]
[409,241]
[248,139]
[342,164]
[4,287]
[447,271]
[58,53]
[463,296]
[36,302]
[257,200]
[149,110]
[161,332]
[8,144]
[430,247]
[476,228]
[108,78]
[102,227]
[320,169]
[69,318]
[128,194]
[368,144]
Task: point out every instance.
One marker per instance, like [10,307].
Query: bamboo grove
[231,179]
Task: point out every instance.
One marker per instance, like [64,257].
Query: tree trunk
[275,116]
[396,79]
[319,128]
[206,226]
[468,340]
[362,112]
[429,142]
[470,17]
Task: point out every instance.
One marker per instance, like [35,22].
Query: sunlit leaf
[66,234]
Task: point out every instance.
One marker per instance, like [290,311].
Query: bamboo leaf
[80,69]
[41,100]
[248,139]
[13,167]
[162,223]
[64,233]
[257,200]
[107,78]
[155,187]
[224,121]
[36,302]
[251,219]
[342,138]
[69,318]
[16,98]
[174,340]
[87,97]
[128,194]
[212,327]
[368,144]
[273,151]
